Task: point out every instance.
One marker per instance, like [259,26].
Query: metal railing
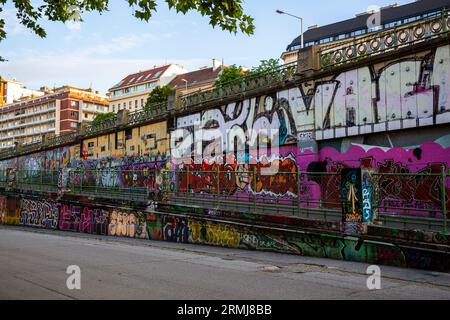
[413,200]
[402,200]
[239,86]
[384,41]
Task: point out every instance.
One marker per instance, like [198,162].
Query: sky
[103,49]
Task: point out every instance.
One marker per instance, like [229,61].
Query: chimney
[216,64]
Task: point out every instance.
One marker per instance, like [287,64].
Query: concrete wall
[146,224]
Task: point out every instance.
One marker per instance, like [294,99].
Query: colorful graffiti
[200,230]
[401,94]
[83,219]
[3,208]
[39,213]
[128,224]
[394,170]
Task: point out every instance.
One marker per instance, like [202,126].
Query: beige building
[204,78]
[57,112]
[132,92]
[12,91]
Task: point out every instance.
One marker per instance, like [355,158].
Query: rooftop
[388,14]
[141,77]
[196,77]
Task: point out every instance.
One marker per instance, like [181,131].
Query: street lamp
[297,17]
[186,82]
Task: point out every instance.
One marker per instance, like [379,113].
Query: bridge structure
[344,154]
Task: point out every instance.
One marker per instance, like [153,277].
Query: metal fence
[401,200]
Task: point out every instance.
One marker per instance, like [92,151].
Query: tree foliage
[266,65]
[100,117]
[227,14]
[158,95]
[230,73]
[234,72]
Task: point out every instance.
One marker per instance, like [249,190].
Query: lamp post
[301,23]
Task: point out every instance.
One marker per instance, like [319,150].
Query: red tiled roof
[141,77]
[196,77]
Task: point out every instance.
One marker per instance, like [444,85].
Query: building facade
[131,93]
[202,79]
[391,16]
[57,112]
[12,91]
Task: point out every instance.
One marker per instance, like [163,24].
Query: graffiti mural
[39,213]
[396,185]
[351,196]
[128,224]
[83,219]
[401,94]
[3,208]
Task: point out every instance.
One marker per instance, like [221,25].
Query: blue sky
[104,48]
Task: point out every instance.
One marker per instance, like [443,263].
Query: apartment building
[204,78]
[390,17]
[131,93]
[59,111]
[12,91]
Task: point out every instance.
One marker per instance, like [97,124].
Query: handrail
[383,41]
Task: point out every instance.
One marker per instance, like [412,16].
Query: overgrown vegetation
[158,95]
[99,118]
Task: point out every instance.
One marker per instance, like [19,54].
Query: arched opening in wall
[316,171]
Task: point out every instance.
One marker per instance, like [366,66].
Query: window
[128,134]
[135,104]
[113,108]
[157,74]
[103,149]
[118,107]
[86,116]
[142,103]
[131,148]
[74,114]
[130,104]
[74,104]
[151,85]
[74,125]
[91,144]
[151,142]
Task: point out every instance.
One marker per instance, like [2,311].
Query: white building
[13,91]
[131,93]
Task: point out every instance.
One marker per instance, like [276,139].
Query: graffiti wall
[306,244]
[3,208]
[39,213]
[128,224]
[405,93]
[9,210]
[83,219]
[99,220]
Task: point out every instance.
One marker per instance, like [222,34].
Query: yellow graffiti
[122,224]
[352,197]
[214,234]
[12,221]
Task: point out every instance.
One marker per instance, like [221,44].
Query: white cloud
[73,26]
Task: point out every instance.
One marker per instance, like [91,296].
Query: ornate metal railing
[239,86]
[385,41]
